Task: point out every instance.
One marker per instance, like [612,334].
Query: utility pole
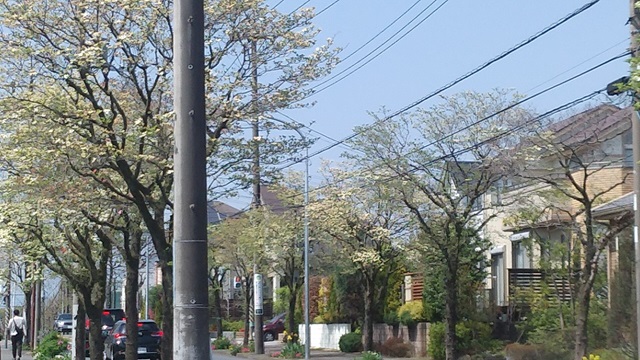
[257,200]
[635,129]
[190,269]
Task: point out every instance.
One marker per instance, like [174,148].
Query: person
[17,328]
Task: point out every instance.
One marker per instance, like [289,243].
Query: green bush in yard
[472,337]
[221,343]
[232,325]
[351,342]
[410,313]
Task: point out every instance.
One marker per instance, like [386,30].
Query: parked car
[63,323]
[273,327]
[107,321]
[149,339]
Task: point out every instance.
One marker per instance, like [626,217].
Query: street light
[307,335]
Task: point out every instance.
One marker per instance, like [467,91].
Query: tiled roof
[614,207]
[218,211]
[597,123]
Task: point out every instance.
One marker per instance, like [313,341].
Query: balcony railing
[537,281]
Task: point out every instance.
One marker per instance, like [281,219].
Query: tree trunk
[131,299]
[291,313]
[167,310]
[96,342]
[27,315]
[367,326]
[80,332]
[217,308]
[583,299]
[450,315]
[247,310]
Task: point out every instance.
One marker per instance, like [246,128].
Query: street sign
[257,290]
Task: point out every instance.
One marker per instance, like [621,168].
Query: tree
[367,225]
[575,170]
[440,162]
[242,248]
[284,241]
[102,72]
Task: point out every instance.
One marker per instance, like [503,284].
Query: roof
[273,199]
[614,207]
[218,211]
[463,172]
[597,123]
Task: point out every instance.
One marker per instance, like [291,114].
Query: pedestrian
[17,328]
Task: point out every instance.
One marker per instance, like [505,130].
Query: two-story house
[596,142]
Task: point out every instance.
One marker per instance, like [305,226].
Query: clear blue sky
[459,37]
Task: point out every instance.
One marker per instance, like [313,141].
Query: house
[596,141]
[620,256]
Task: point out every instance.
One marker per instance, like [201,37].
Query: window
[521,258]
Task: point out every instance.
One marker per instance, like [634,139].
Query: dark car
[149,338]
[63,323]
[107,321]
[273,327]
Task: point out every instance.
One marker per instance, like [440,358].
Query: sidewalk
[5,354]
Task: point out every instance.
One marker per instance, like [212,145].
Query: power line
[346,146]
[385,29]
[325,8]
[579,64]
[520,102]
[299,7]
[463,77]
[376,49]
[459,152]
[462,151]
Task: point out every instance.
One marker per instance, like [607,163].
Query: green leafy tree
[441,178]
[242,247]
[365,224]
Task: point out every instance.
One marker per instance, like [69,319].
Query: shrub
[472,337]
[221,343]
[612,354]
[391,318]
[51,346]
[235,349]
[319,320]
[292,350]
[410,313]
[395,347]
[228,325]
[370,355]
[527,352]
[351,342]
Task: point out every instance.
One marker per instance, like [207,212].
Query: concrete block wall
[324,336]
[417,335]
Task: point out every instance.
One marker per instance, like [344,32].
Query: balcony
[536,281]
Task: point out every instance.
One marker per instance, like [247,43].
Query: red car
[273,327]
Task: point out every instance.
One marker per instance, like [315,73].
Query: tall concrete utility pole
[635,129]
[190,268]
[257,198]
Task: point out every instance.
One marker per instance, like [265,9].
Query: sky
[457,38]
